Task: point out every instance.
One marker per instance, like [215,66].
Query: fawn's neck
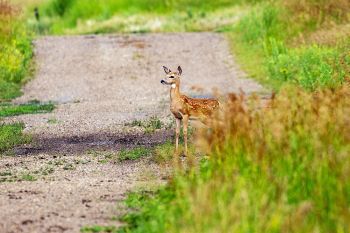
[174,91]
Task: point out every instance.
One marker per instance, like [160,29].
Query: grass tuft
[133,154]
[7,110]
[12,135]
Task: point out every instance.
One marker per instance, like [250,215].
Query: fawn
[184,107]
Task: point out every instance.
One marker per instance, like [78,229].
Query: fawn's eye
[172,76]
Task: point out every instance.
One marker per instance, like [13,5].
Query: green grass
[7,110]
[92,229]
[28,177]
[9,90]
[16,52]
[133,154]
[149,126]
[279,169]
[11,135]
[261,41]
[81,17]
[311,67]
[164,152]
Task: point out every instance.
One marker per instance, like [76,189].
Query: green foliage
[310,67]
[280,169]
[11,135]
[30,108]
[16,55]
[27,177]
[64,14]
[150,211]
[149,126]
[9,90]
[260,24]
[15,50]
[133,154]
[264,34]
[164,153]
[105,229]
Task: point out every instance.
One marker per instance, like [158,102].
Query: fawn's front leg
[177,134]
[185,125]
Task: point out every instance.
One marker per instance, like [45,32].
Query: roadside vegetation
[136,16]
[15,49]
[7,110]
[288,41]
[15,62]
[283,167]
[12,135]
[278,168]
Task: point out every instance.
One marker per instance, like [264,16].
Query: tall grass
[15,50]
[268,31]
[281,168]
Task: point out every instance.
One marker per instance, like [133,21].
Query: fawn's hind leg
[177,134]
[185,125]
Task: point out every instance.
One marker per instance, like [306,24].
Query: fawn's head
[172,78]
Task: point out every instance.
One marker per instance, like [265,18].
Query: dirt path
[99,84]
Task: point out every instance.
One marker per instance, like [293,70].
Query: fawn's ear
[166,70]
[179,70]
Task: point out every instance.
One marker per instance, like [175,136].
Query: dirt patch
[98,141]
[61,192]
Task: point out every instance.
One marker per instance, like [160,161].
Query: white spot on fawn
[173,85]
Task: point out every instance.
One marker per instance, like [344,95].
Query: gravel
[100,83]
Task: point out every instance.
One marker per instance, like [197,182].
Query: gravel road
[99,84]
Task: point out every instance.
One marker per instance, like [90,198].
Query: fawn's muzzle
[164,82]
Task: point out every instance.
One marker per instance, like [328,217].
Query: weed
[5,173]
[47,170]
[11,135]
[164,153]
[27,177]
[152,124]
[52,121]
[149,126]
[68,166]
[133,154]
[97,228]
[30,108]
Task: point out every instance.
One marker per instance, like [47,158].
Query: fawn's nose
[162,81]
